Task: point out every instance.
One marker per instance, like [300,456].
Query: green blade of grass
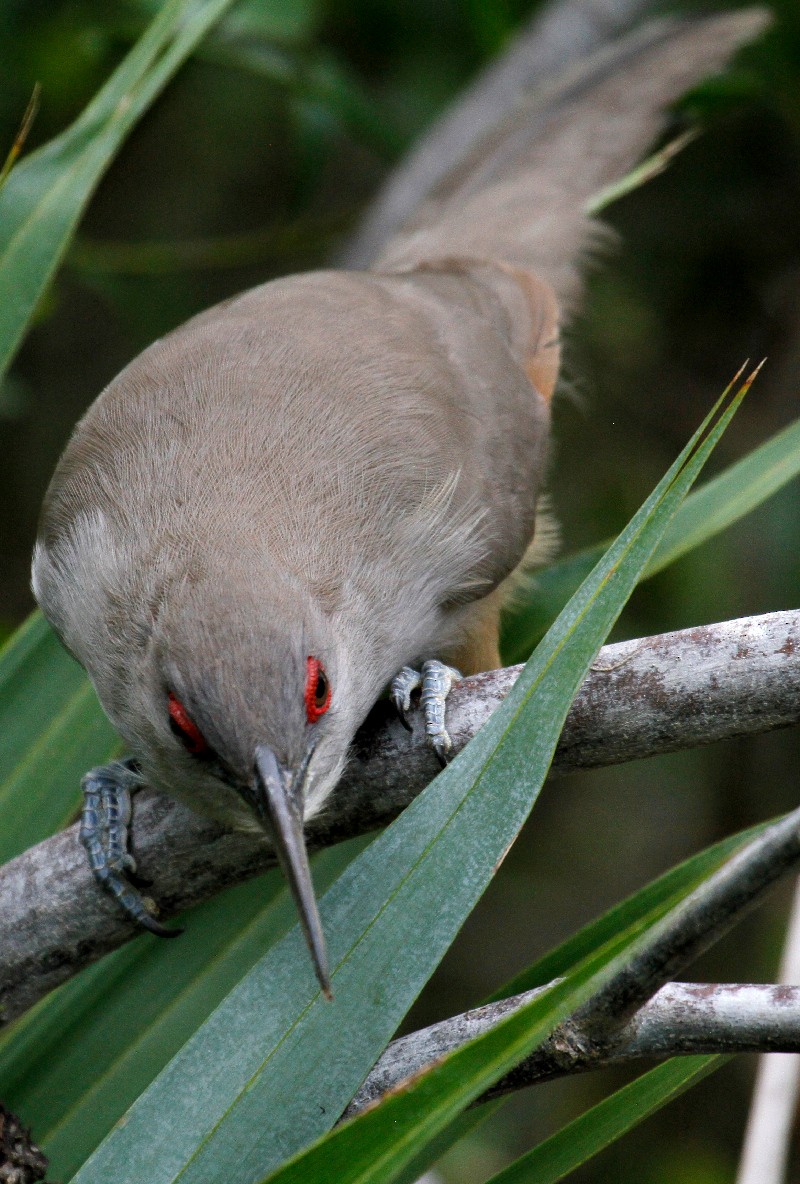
[75,1063]
[247,1088]
[53,730]
[606,1122]
[46,193]
[709,510]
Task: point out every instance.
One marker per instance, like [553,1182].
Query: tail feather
[520,196]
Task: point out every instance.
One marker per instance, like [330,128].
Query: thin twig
[674,691]
[766,1143]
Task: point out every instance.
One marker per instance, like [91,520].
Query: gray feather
[521,192]
[341,464]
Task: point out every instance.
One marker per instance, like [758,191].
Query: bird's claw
[404,683]
[435,681]
[104,834]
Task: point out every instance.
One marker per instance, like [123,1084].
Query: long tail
[520,195]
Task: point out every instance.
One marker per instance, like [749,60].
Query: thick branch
[641,697]
[681,1019]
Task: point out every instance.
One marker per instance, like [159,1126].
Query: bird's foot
[104,834]
[435,680]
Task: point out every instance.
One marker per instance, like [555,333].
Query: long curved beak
[277,803]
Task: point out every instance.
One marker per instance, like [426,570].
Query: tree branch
[642,697]
[767,1140]
[637,1013]
[681,1019]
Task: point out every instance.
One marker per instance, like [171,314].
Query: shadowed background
[256,163]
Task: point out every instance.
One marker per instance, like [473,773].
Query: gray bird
[332,478]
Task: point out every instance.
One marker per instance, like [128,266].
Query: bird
[326,486]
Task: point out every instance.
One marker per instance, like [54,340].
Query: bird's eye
[318,690]
[184,727]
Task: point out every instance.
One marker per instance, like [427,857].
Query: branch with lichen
[639,1013]
[653,695]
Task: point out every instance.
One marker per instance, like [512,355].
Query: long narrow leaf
[46,193]
[375,1147]
[452,1133]
[75,1064]
[79,1060]
[633,914]
[595,1130]
[28,117]
[275,1065]
[53,730]
[625,920]
[707,512]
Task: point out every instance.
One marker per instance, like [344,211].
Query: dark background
[248,169]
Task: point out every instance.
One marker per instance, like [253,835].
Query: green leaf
[630,916]
[53,730]
[650,168]
[322,79]
[272,40]
[275,1064]
[577,1142]
[728,497]
[282,21]
[45,195]
[75,1063]
[627,919]
[708,511]
[440,1144]
[376,1146]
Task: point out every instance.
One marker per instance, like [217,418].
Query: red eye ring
[318,690]
[185,728]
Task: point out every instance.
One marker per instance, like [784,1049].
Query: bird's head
[246,709]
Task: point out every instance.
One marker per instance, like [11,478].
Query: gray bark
[681,1019]
[642,697]
[637,1012]
[767,1141]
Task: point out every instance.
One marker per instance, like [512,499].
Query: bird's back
[329,425]
[363,431]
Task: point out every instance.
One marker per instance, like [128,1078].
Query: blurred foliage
[254,163]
